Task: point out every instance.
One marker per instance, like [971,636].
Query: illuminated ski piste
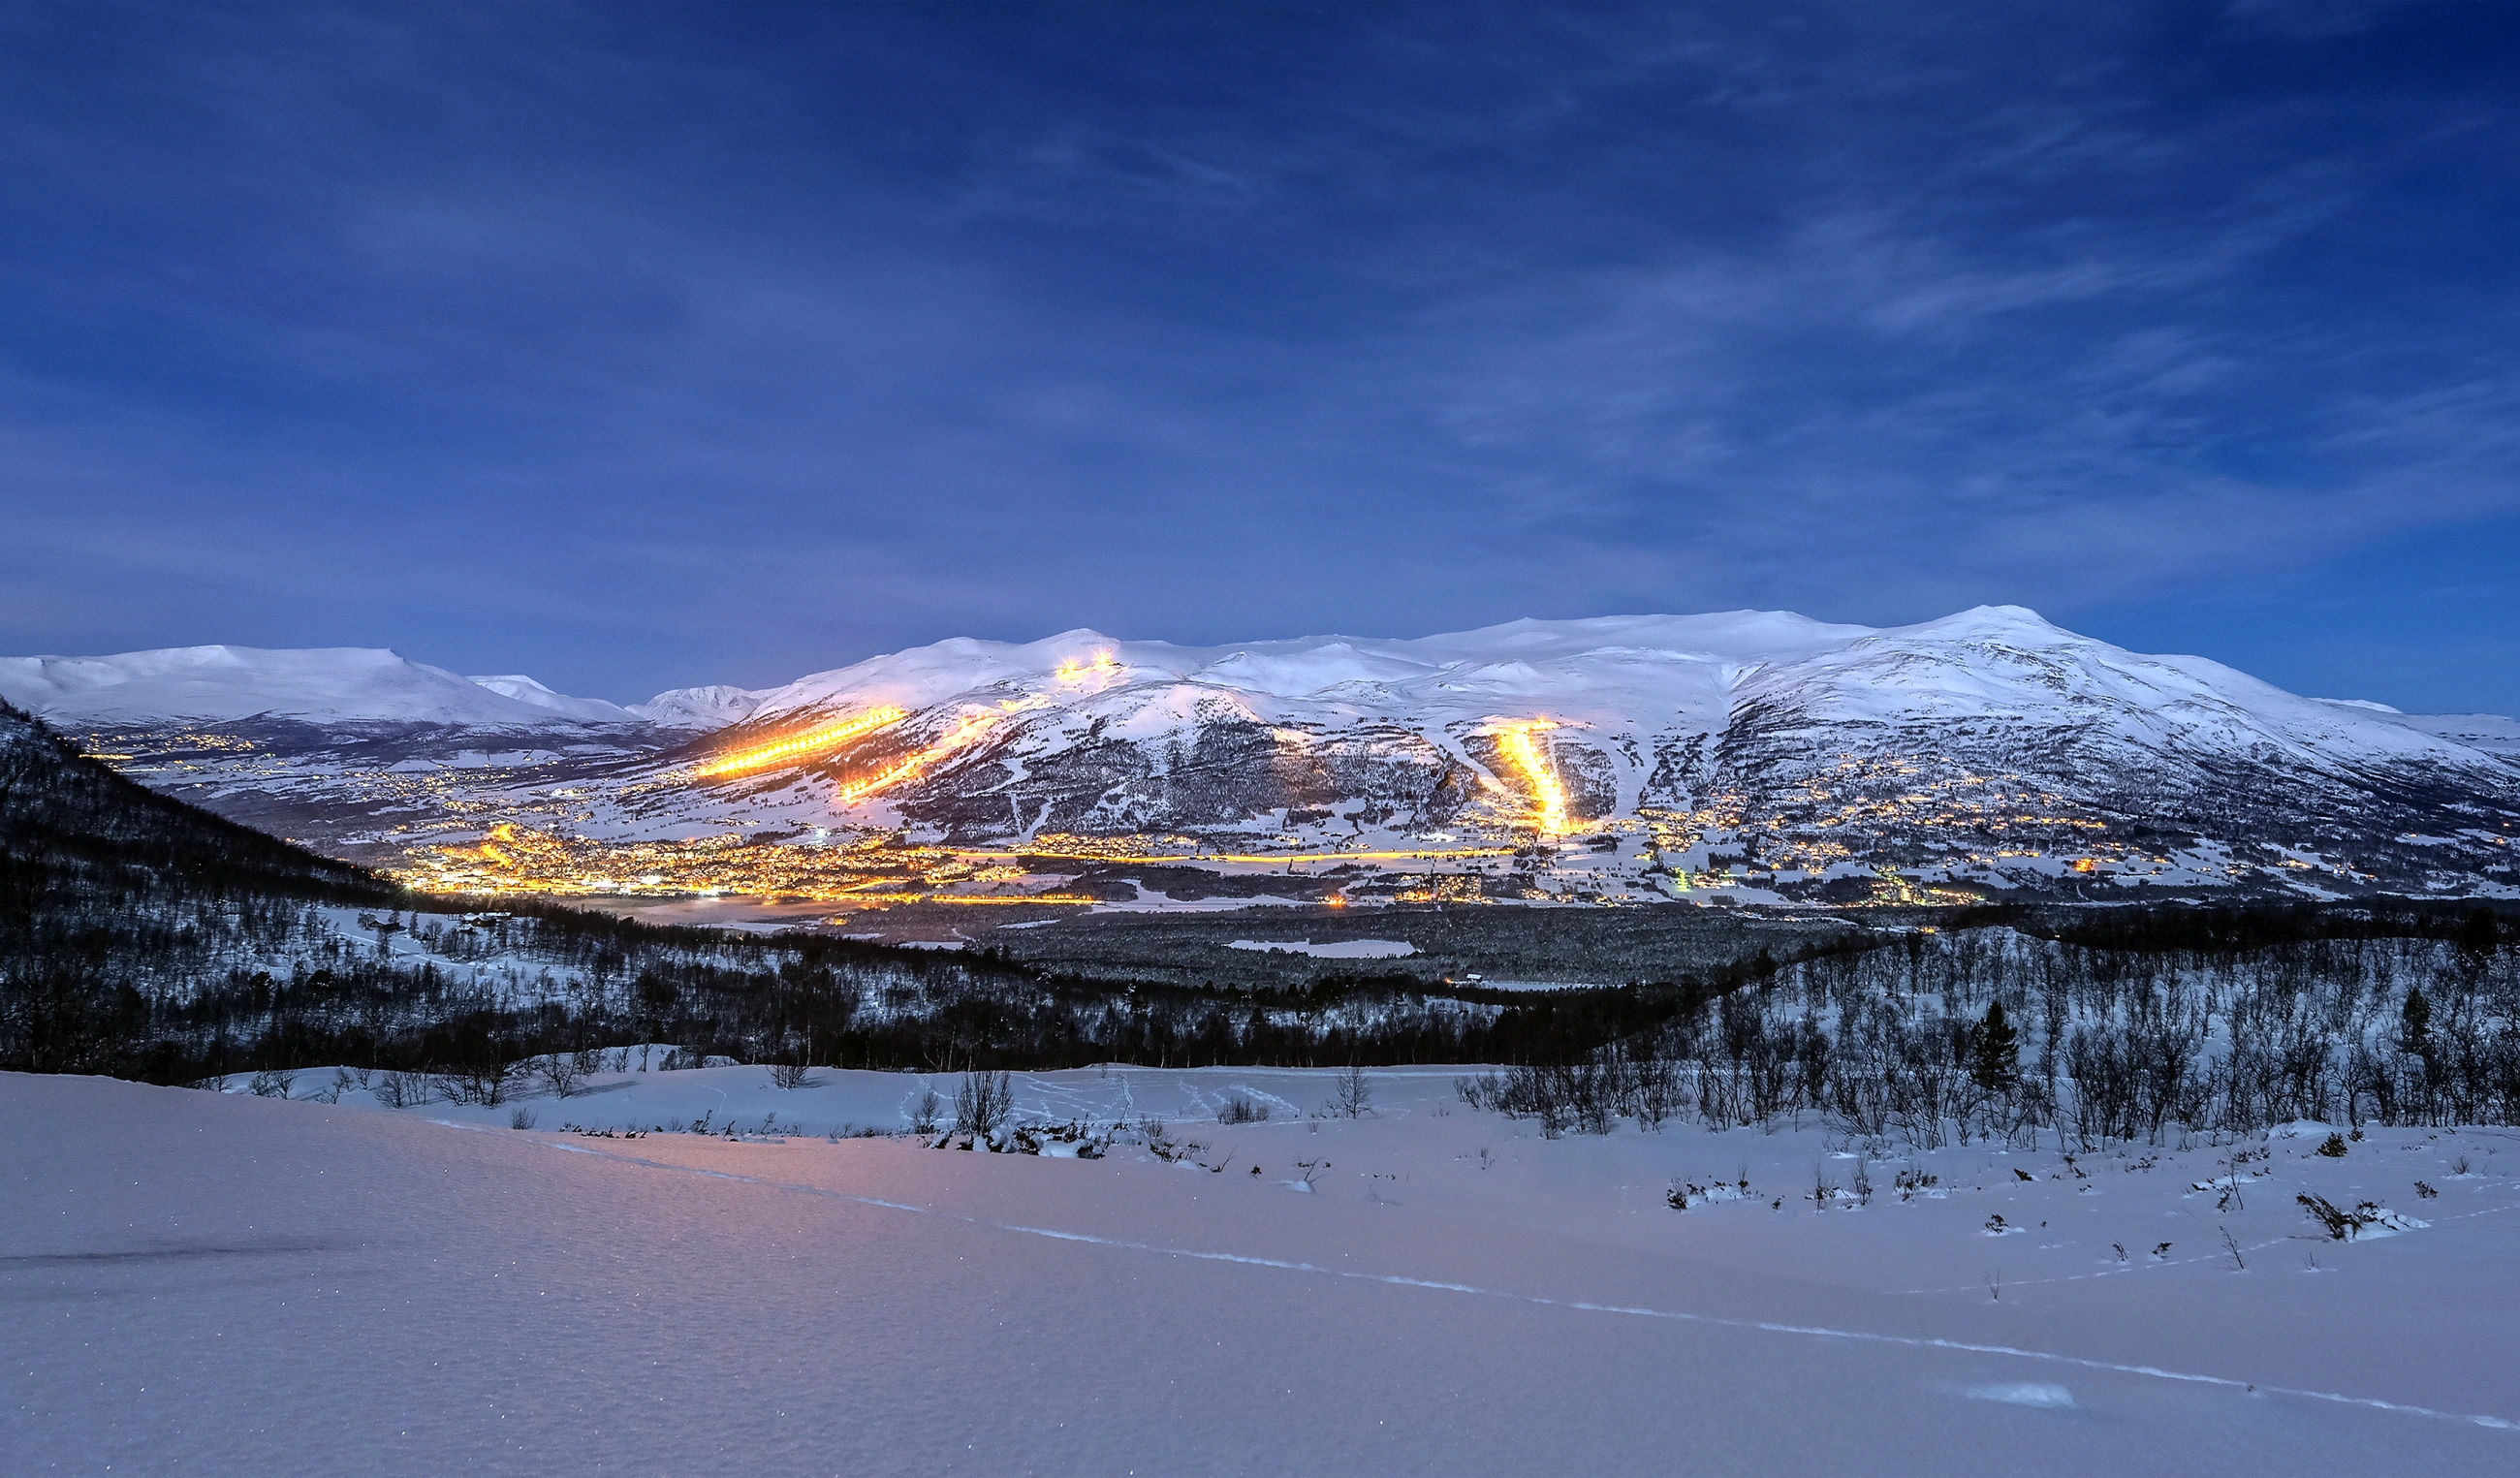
[1547,794]
[828,736]
[965,733]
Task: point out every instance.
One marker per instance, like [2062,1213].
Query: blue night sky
[635,346]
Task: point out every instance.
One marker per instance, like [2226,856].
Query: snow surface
[2489,732]
[230,1284]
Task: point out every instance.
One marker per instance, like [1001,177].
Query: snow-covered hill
[1751,755]
[525,690]
[2491,733]
[330,686]
[698,708]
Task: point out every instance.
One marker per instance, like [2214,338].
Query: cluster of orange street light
[503,831]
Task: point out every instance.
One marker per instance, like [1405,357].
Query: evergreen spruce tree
[2416,1021]
[1995,1054]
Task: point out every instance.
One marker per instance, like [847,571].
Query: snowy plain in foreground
[223,1284]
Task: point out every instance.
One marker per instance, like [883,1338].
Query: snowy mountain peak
[325,685]
[525,690]
[698,708]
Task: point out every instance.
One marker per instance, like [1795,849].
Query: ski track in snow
[1396,1279]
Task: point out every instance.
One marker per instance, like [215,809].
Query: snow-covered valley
[202,1282]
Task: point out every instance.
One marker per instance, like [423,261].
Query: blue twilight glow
[634,345]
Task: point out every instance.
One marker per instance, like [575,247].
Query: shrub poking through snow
[2333,1147]
[1075,1139]
[1161,1144]
[1355,1096]
[2341,1225]
[981,1103]
[1688,1195]
[1239,1110]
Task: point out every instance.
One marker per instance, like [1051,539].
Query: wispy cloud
[663,345]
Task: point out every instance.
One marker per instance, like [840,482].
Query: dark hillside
[70,827]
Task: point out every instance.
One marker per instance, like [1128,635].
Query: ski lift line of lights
[962,733]
[812,740]
[1100,664]
[1547,794]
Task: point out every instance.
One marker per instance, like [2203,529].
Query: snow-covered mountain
[698,708]
[1760,753]
[525,690]
[329,686]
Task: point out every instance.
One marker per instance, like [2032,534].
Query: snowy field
[225,1283]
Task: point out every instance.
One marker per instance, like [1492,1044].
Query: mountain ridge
[351,684]
[1759,755]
